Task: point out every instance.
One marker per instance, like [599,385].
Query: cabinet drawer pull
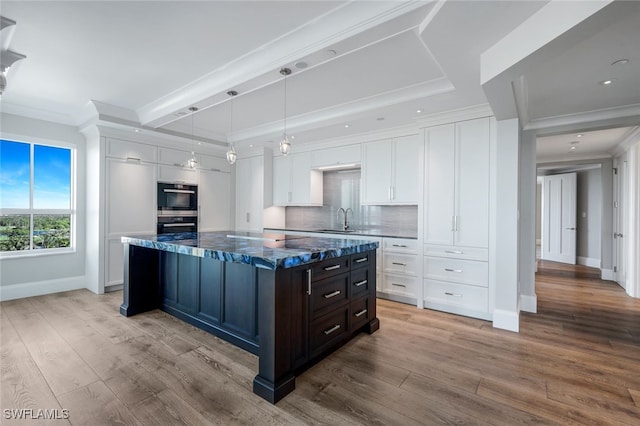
[359,283]
[362,259]
[309,282]
[133,159]
[332,268]
[453,270]
[399,245]
[361,313]
[398,285]
[453,294]
[398,263]
[332,294]
[331,330]
[454,252]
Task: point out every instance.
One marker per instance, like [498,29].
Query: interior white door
[619,220]
[559,218]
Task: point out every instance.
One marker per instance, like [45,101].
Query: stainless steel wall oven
[177,208]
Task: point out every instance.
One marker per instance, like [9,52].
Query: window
[36,197]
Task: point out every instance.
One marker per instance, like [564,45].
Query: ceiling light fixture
[608,82]
[579,135]
[346,126]
[418,111]
[232,156]
[285,145]
[572,148]
[193,161]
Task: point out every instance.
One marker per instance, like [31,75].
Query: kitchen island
[288,299]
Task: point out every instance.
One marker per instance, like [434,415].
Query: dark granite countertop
[262,250]
[372,232]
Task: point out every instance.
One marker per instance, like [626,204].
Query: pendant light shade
[232,156]
[192,162]
[285,145]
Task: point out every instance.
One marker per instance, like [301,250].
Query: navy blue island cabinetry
[288,299]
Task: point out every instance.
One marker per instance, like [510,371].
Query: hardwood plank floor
[577,361]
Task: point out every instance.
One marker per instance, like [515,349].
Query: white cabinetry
[253,191]
[171,167]
[214,201]
[294,182]
[391,171]
[400,269]
[336,157]
[130,202]
[456,217]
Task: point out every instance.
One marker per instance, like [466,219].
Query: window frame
[31,211]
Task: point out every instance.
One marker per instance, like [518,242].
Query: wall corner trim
[506,320]
[39,288]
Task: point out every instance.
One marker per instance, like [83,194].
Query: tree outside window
[36,208]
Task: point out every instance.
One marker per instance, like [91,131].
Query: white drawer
[400,245]
[459,295]
[461,271]
[131,150]
[400,263]
[469,253]
[402,285]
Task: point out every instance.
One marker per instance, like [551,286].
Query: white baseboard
[38,288]
[529,303]
[588,261]
[506,320]
[606,274]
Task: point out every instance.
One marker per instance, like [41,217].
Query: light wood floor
[575,362]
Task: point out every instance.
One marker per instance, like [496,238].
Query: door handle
[309,282]
[453,270]
[331,268]
[571,229]
[359,283]
[332,329]
[361,313]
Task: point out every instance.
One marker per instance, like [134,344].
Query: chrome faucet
[345,225]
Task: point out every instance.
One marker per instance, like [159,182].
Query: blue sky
[52,176]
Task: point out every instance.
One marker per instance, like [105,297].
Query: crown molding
[632,137]
[631,112]
[340,113]
[462,114]
[336,25]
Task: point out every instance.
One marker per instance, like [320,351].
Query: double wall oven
[177,208]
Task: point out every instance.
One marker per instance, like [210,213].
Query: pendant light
[192,162]
[231,153]
[285,145]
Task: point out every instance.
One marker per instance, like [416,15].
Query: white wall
[32,275]
[589,220]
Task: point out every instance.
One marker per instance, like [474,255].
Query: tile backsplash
[342,189]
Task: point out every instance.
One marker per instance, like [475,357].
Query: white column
[528,206]
[504,226]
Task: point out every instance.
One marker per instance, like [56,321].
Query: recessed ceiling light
[572,148]
[137,130]
[346,126]
[608,82]
[418,111]
[574,142]
[620,62]
[380,118]
[301,65]
[250,145]
[292,137]
[579,135]
[331,53]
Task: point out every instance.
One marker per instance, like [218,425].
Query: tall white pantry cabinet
[456,217]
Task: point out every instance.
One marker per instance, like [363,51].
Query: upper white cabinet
[336,157]
[214,201]
[294,182]
[173,157]
[456,210]
[210,162]
[391,171]
[253,191]
[131,150]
